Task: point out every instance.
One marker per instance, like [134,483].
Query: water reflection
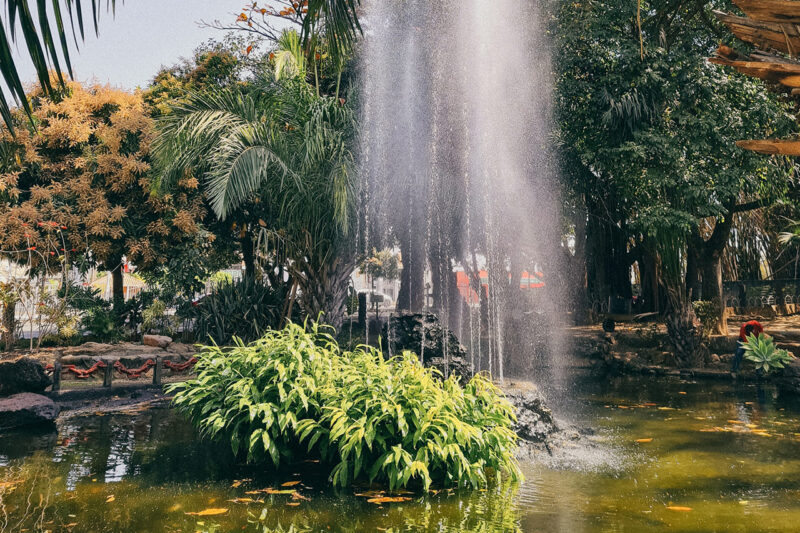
[730,454]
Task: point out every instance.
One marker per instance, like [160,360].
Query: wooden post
[108,376]
[56,376]
[157,371]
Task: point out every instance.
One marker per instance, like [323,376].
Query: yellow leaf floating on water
[666,409]
[373,493]
[245,500]
[644,441]
[290,484]
[389,499]
[238,482]
[682,392]
[292,504]
[276,491]
[209,512]
[679,508]
[110,499]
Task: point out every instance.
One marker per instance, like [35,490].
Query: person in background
[752,327]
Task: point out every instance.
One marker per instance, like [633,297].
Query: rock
[535,421]
[181,349]
[158,341]
[423,334]
[23,375]
[89,349]
[26,409]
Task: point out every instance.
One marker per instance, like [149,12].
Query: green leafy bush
[294,394]
[762,351]
[243,309]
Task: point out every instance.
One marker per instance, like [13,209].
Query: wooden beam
[765,35]
[772,146]
[785,11]
[785,73]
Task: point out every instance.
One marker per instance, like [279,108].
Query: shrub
[391,421]
[762,351]
[243,309]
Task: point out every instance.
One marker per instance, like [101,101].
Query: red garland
[180,367]
[136,372]
[131,373]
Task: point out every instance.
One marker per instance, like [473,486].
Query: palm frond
[337,20]
[40,39]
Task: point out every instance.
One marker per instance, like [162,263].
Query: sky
[143,36]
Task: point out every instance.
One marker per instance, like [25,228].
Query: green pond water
[722,458]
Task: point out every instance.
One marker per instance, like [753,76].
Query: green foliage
[384,264]
[244,309]
[294,394]
[155,318]
[103,324]
[767,357]
[708,314]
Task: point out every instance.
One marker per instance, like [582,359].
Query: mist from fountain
[456,146]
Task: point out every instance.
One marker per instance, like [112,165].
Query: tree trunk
[324,290]
[682,333]
[693,280]
[118,286]
[712,289]
[248,255]
[580,295]
[9,322]
[411,296]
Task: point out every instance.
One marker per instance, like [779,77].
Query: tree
[289,151]
[337,20]
[77,187]
[649,130]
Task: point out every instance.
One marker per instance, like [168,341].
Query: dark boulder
[26,409]
[535,421]
[423,334]
[23,375]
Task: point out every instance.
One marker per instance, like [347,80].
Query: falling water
[456,127]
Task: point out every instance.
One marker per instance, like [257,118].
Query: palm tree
[335,19]
[286,147]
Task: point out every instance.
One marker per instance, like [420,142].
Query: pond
[722,458]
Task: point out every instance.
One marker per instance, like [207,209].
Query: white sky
[144,35]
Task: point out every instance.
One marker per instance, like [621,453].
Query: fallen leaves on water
[389,499]
[110,498]
[278,491]
[679,508]
[372,494]
[238,482]
[682,392]
[666,408]
[298,496]
[644,441]
[290,484]
[209,512]
[292,504]
[244,500]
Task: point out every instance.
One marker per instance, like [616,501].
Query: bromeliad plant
[761,350]
[294,395]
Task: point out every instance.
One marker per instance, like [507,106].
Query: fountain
[456,118]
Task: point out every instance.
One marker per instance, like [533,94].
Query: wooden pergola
[773,27]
